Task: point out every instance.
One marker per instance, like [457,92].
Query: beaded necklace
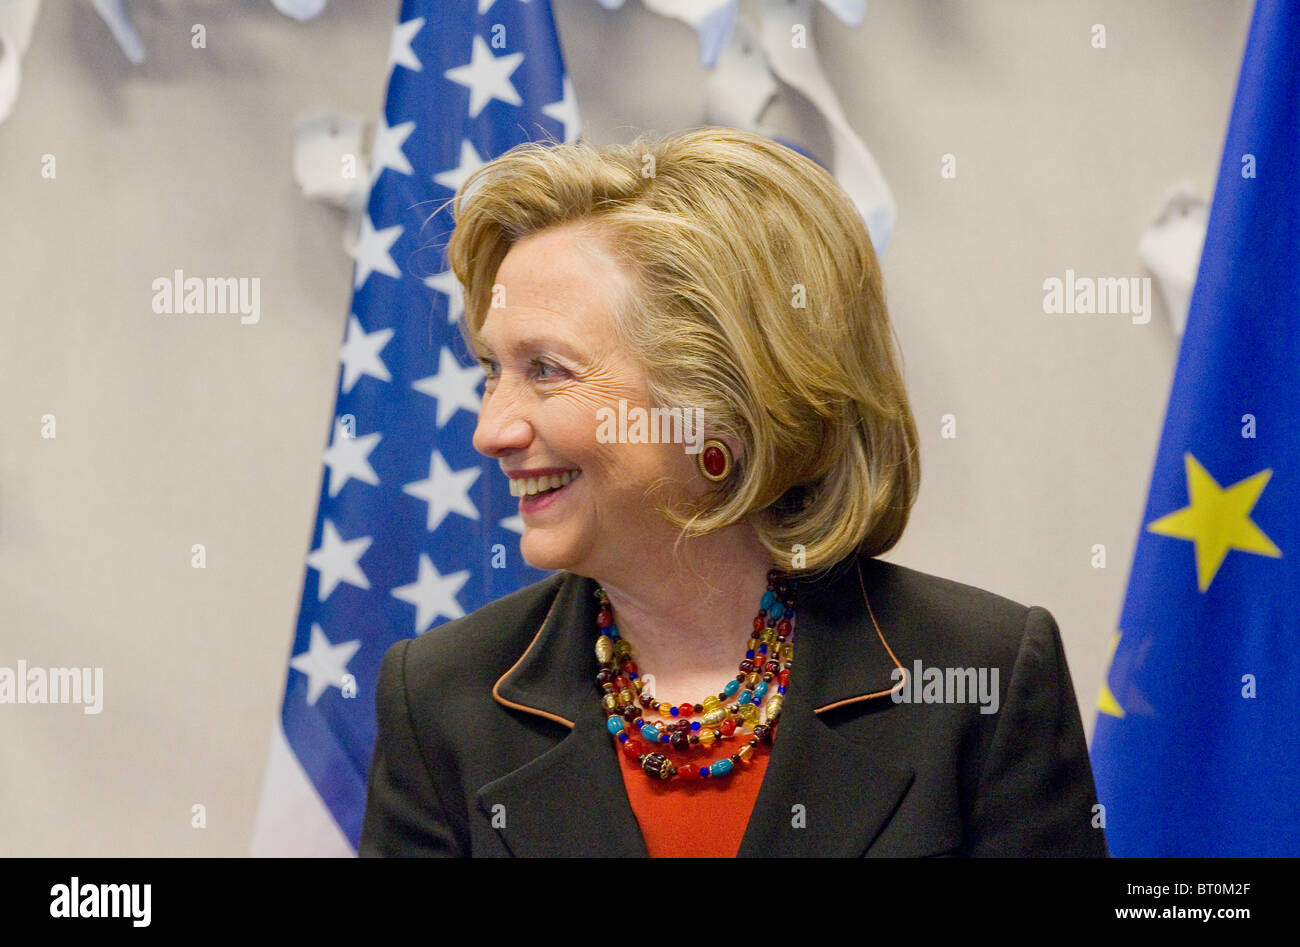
[743,702]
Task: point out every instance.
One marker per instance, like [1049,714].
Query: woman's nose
[502,424]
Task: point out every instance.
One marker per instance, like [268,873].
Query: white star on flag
[514,523]
[386,152]
[447,284]
[469,163]
[433,595]
[565,112]
[347,458]
[324,664]
[399,46]
[372,252]
[487,76]
[454,386]
[338,561]
[360,354]
[446,491]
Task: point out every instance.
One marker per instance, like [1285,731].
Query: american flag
[413,527]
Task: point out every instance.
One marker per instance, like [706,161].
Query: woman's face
[553,362]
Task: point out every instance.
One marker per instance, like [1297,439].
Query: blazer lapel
[570,801]
[822,794]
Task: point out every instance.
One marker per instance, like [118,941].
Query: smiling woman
[722,276]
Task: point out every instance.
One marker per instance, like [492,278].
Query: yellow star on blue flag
[1217,520]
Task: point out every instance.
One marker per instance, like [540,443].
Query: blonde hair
[759,299]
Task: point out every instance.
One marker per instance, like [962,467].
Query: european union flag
[413,528]
[1197,745]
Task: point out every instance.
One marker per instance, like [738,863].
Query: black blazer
[492,741]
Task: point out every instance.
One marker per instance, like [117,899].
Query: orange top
[699,818]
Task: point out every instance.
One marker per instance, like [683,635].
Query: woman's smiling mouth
[541,489]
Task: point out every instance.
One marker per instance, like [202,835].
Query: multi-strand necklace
[745,710]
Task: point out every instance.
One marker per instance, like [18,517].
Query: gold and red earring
[714,460]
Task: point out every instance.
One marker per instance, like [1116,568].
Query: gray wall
[175,432]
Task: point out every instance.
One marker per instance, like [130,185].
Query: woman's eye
[544,371]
